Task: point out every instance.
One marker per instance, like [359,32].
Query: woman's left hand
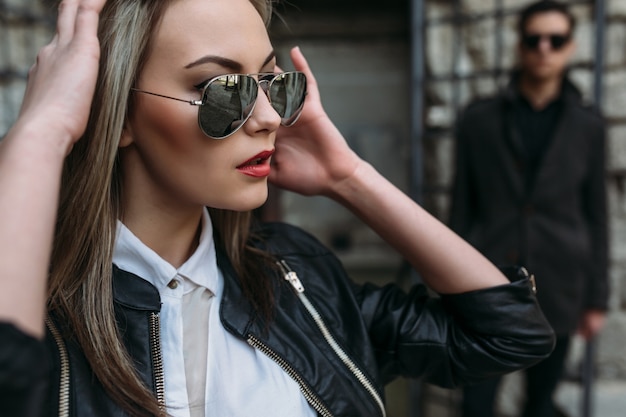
[312,157]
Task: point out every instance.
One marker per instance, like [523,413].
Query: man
[529,190]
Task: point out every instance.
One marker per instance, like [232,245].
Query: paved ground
[608,399]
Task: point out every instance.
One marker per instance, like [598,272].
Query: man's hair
[544,6]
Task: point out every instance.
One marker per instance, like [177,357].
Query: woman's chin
[249,203]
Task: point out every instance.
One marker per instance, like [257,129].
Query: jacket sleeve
[461,210]
[458,339]
[23,372]
[595,209]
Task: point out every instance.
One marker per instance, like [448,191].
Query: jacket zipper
[308,393]
[295,282]
[531,278]
[64,380]
[157,359]
[64,384]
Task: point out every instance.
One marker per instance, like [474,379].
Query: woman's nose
[264,116]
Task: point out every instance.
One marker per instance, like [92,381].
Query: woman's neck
[173,237]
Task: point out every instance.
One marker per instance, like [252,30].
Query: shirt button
[173,284]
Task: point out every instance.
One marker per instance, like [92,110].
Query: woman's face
[166,159]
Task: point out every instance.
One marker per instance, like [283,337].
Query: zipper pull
[291,276]
[531,278]
[533,283]
[294,281]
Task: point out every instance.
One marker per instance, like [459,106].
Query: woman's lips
[257,166]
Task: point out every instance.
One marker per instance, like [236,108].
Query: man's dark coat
[557,225]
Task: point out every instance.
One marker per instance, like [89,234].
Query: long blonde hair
[80,288]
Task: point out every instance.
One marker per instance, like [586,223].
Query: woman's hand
[52,118]
[312,157]
[62,81]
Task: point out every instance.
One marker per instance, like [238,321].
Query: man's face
[546,46]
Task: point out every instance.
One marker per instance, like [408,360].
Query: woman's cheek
[173,123]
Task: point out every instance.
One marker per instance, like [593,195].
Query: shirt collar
[132,255]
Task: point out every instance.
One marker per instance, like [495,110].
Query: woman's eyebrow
[213,59]
[226,62]
[269,59]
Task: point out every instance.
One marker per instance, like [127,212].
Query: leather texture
[451,340]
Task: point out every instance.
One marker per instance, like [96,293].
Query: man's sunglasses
[228,100]
[557,41]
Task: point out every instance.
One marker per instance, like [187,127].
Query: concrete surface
[608,399]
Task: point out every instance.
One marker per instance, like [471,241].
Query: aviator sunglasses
[557,41]
[228,100]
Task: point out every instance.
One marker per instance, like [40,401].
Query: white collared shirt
[240,381]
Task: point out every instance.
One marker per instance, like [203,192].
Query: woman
[157,305]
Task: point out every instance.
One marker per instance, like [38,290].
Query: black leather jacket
[340,341]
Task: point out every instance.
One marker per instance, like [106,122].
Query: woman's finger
[301,64]
[66,20]
[87,17]
[61,83]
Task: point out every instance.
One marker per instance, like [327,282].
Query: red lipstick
[257,166]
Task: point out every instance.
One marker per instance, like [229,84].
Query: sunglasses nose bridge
[264,85]
[545,43]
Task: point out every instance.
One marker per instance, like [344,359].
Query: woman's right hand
[52,118]
[61,83]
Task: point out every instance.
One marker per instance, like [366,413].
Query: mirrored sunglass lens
[287,93]
[227,103]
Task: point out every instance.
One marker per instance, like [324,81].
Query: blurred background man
[529,189]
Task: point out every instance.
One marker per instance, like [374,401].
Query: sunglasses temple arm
[192,102]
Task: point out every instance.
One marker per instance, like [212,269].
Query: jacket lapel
[516,151]
[560,139]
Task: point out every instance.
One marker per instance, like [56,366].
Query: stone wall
[25,26]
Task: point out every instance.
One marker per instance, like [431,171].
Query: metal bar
[456,49]
[474,17]
[415,387]
[417,97]
[492,73]
[587,380]
[499,47]
[599,52]
[5,118]
[598,95]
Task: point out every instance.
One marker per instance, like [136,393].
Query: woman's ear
[127,137]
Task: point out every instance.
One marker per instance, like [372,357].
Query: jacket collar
[571,98]
[236,311]
[134,292]
[569,92]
